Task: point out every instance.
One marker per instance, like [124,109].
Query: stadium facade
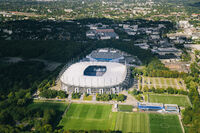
[100,72]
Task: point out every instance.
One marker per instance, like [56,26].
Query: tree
[121,97]
[6,118]
[170,90]
[47,128]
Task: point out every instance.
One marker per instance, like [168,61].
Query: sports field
[87,117]
[169,99]
[48,105]
[100,117]
[131,122]
[164,123]
[125,108]
[159,82]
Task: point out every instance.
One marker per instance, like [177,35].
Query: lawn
[88,98]
[164,123]
[48,105]
[99,117]
[169,99]
[125,108]
[132,122]
[87,117]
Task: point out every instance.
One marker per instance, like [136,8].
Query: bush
[108,97]
[53,94]
[121,97]
[76,95]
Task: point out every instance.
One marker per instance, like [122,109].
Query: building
[159,107]
[95,77]
[101,33]
[184,24]
[168,52]
[106,55]
[171,108]
[151,106]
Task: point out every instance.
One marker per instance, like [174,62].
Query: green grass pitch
[169,99]
[48,105]
[100,117]
[87,117]
[164,123]
[132,122]
[125,108]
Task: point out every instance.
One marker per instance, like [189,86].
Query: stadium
[95,77]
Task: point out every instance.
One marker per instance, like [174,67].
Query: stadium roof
[113,74]
[106,55]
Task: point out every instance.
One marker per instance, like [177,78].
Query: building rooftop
[105,55]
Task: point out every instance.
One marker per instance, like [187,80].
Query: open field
[169,99]
[88,98]
[164,123]
[87,117]
[125,108]
[159,82]
[132,122]
[48,105]
[100,117]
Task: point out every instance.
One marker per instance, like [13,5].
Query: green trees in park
[48,93]
[76,95]
[121,97]
[108,97]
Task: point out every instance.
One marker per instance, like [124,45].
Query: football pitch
[87,117]
[170,99]
[164,123]
[100,117]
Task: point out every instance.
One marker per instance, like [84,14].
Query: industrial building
[158,107]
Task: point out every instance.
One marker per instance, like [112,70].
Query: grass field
[164,123]
[87,117]
[48,105]
[100,117]
[125,108]
[88,98]
[131,122]
[169,99]
[159,82]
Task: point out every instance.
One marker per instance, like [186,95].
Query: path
[179,116]
[149,83]
[176,81]
[154,80]
[143,84]
[160,84]
[130,100]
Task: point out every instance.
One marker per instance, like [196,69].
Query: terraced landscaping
[159,82]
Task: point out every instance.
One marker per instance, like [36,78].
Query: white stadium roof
[114,74]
